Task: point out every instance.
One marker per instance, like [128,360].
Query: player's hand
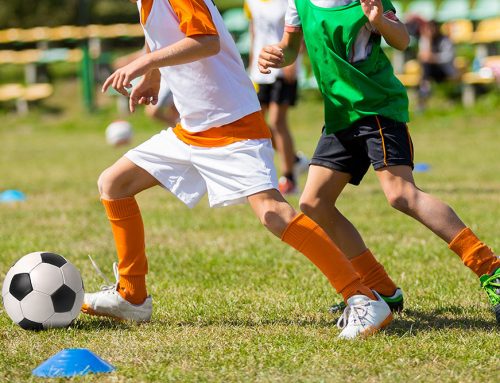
[270,56]
[374,10]
[146,91]
[121,78]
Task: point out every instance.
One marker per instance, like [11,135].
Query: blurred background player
[164,111]
[436,54]
[277,91]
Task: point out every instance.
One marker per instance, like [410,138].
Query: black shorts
[375,139]
[280,92]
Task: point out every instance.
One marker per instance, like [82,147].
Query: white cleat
[109,303]
[363,317]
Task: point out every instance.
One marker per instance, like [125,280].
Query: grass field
[232,303]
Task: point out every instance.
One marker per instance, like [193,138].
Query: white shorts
[229,173]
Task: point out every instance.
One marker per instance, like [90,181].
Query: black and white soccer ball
[43,290]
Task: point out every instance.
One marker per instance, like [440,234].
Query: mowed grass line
[234,304]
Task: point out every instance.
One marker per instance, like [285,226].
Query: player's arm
[282,54]
[187,50]
[391,29]
[184,51]
[201,40]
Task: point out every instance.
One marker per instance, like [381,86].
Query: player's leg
[402,194]
[306,236]
[318,200]
[128,299]
[165,156]
[340,159]
[390,150]
[278,123]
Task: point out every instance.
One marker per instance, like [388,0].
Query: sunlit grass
[232,303]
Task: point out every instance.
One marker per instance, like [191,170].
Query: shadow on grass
[101,323]
[412,322]
[226,322]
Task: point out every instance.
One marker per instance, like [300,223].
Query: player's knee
[104,183]
[308,206]
[276,217]
[316,208]
[270,219]
[401,200]
[111,185]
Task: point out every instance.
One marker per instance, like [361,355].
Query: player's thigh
[124,179]
[323,186]
[397,182]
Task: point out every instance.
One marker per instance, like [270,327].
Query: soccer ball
[119,133]
[42,290]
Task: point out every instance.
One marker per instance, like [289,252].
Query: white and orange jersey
[215,98]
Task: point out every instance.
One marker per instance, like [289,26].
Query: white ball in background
[119,133]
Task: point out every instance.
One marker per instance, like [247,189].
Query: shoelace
[344,318]
[108,285]
[355,313]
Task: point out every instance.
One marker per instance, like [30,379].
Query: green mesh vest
[350,90]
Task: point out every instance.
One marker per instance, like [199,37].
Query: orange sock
[306,236]
[475,254]
[128,232]
[373,274]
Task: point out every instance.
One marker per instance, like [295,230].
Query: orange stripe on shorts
[382,137]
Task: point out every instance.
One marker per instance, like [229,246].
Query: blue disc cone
[72,362]
[421,167]
[12,196]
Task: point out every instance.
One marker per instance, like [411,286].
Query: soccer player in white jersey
[276,91]
[221,147]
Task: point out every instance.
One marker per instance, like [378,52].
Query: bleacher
[52,45]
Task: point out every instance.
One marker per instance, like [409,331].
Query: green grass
[232,303]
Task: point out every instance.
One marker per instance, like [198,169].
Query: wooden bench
[484,77]
[23,95]
[412,74]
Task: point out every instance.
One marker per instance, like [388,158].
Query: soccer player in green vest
[366,111]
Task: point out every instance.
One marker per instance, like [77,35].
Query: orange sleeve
[146,6]
[194,17]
